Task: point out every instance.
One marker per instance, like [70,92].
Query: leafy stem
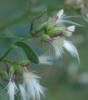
[37,17]
[30,36]
[13,46]
[7,53]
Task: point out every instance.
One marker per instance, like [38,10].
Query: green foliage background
[15,19]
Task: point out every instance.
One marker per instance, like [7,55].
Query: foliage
[25,21]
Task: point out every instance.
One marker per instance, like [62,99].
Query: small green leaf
[18,68]
[31,55]
[11,70]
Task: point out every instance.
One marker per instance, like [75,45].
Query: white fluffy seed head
[60,43]
[23,92]
[58,46]
[32,85]
[71,49]
[12,90]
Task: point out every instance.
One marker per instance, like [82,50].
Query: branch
[7,53]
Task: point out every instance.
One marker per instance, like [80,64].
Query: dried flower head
[12,88]
[31,87]
[56,33]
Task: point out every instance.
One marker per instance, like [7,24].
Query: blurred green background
[67,81]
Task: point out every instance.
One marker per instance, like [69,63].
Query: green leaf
[11,70]
[37,17]
[30,53]
[18,68]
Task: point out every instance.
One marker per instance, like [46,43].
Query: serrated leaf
[30,53]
